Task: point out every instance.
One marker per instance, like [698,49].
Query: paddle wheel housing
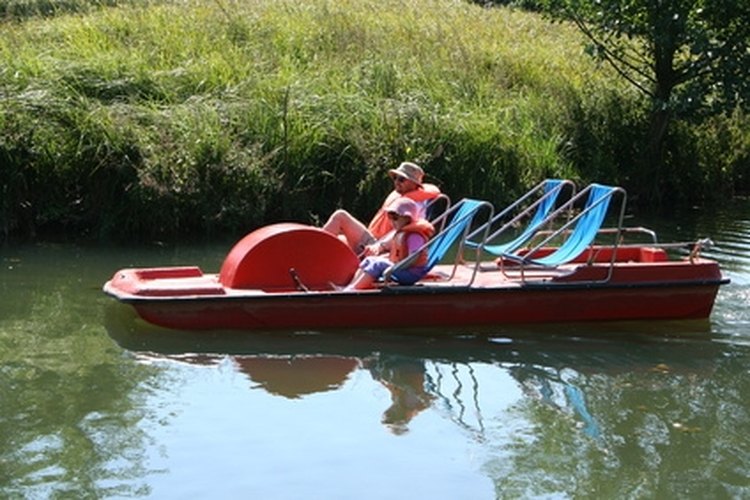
[267,259]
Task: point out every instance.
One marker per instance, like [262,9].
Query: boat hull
[446,308]
[634,292]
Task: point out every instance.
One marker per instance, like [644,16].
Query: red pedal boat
[287,276]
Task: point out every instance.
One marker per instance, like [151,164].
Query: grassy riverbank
[167,120]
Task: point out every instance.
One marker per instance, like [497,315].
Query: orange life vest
[400,248]
[380,225]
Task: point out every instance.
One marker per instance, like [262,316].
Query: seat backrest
[436,207]
[552,188]
[587,225]
[464,213]
[546,203]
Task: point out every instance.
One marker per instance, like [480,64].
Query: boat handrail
[631,230]
[462,214]
[610,230]
[677,245]
[431,206]
[542,206]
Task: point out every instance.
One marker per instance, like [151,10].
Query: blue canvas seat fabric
[587,226]
[552,188]
[443,241]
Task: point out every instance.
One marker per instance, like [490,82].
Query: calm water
[95,404]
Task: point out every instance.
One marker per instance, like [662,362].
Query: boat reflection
[561,367]
[296,376]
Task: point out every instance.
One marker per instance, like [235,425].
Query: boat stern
[165,282]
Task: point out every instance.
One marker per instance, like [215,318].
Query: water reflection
[551,388]
[64,424]
[298,376]
[563,368]
[599,403]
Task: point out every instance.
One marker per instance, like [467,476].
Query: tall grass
[162,120]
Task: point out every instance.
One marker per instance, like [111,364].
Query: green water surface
[95,404]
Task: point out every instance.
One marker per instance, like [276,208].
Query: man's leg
[356,234]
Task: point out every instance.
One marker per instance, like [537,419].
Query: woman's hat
[405,207]
[411,171]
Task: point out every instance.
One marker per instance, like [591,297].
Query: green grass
[153,119]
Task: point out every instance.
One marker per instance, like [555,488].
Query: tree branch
[613,59]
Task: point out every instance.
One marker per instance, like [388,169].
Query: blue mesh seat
[586,225]
[551,189]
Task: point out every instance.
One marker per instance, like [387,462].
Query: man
[407,181]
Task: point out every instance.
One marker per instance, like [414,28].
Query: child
[411,233]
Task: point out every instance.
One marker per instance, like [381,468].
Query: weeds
[149,119]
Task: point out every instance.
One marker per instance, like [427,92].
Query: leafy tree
[690,57]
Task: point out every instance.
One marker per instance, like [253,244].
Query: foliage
[169,120]
[687,55]
[17,10]
[690,57]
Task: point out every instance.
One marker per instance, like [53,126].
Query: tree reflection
[656,425]
[69,408]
